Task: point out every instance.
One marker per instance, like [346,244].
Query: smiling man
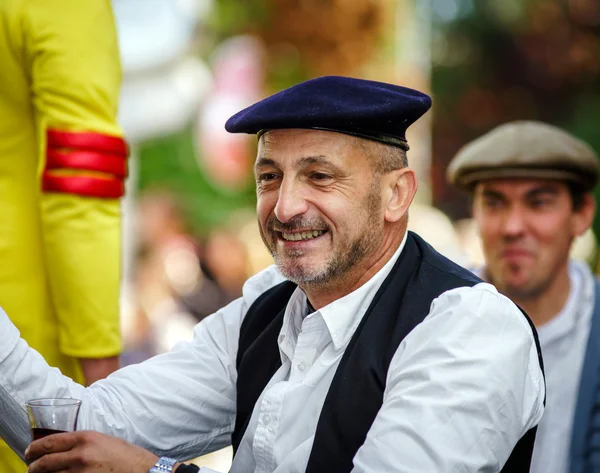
[531,185]
[361,350]
[322,225]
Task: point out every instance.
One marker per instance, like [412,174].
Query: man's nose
[290,202]
[514,223]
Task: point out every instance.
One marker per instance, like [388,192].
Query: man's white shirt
[463,386]
[564,342]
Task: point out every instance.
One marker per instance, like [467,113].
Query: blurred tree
[309,38]
[517,59]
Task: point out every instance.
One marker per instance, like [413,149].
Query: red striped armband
[88,151]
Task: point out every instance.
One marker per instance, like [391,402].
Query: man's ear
[583,217]
[400,189]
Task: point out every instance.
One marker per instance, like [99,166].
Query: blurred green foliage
[169,163]
[231,17]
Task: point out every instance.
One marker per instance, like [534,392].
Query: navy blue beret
[364,108]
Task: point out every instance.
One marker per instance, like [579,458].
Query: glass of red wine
[52,416]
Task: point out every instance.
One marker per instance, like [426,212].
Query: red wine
[39,433]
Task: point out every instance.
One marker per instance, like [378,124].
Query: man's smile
[304,235]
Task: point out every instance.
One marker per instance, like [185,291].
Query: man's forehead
[302,136]
[517,187]
[297,143]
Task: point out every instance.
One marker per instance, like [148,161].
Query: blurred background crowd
[189,226]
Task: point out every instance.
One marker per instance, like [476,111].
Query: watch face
[163,465]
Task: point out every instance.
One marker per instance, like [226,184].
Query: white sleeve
[181,403]
[462,388]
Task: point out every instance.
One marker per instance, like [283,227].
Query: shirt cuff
[9,337]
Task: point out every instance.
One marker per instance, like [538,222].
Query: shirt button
[301,366]
[267,418]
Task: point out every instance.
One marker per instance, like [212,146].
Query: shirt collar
[341,317]
[577,308]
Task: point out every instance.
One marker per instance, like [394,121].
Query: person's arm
[98,368]
[464,386]
[179,404]
[72,59]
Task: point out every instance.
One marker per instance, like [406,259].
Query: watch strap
[185,468]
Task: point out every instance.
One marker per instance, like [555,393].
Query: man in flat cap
[361,350]
[531,185]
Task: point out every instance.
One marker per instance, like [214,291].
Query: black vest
[401,303]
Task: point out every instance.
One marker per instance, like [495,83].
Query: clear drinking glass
[52,416]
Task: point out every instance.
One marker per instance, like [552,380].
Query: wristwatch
[163,465]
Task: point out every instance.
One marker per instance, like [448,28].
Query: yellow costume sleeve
[72,54]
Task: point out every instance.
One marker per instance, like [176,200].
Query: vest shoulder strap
[258,348]
[585,441]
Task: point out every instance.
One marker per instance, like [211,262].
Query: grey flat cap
[525,149]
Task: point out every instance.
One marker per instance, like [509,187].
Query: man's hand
[87,452]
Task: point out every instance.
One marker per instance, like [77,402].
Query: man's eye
[491,203]
[319,176]
[539,203]
[267,177]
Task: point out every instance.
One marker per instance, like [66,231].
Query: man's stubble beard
[343,259]
[528,292]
